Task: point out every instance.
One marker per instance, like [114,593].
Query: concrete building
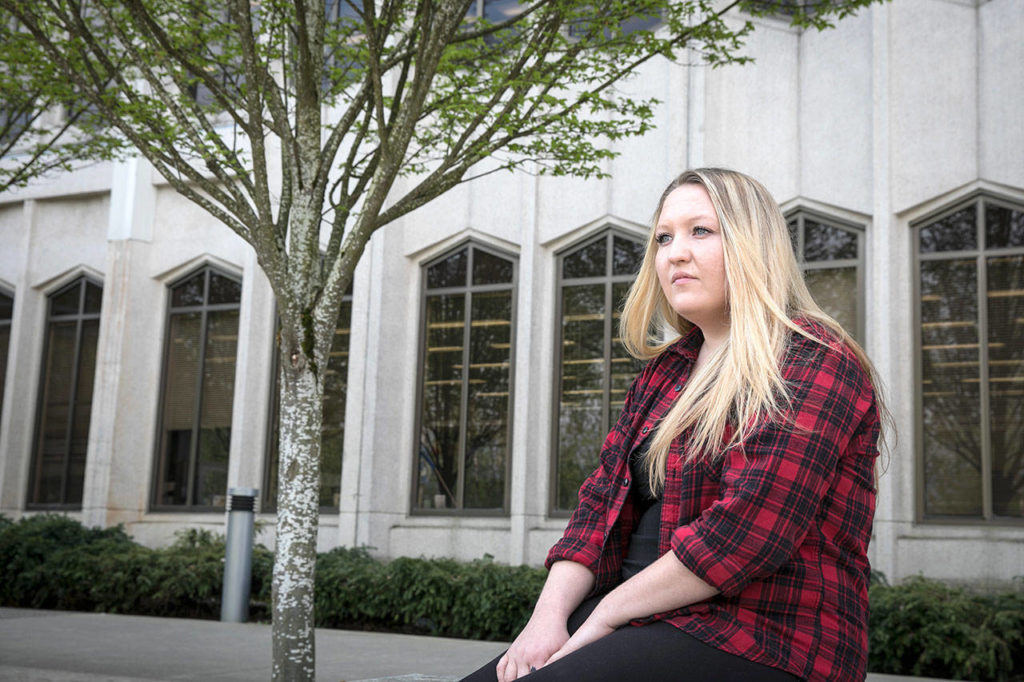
[139,333]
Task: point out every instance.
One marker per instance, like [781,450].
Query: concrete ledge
[63,646]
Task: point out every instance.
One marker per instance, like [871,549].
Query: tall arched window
[198,391]
[831,256]
[465,406]
[594,370]
[971,327]
[65,404]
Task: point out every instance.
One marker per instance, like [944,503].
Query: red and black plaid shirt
[780,525]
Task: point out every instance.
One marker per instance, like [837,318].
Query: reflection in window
[14,121]
[198,391]
[466,380]
[971,270]
[65,406]
[643,21]
[6,314]
[344,32]
[332,431]
[211,20]
[594,370]
[829,253]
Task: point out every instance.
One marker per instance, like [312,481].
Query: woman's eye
[662,238]
[701,230]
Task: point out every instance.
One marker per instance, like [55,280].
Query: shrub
[926,628]
[32,549]
[479,600]
[921,627]
[54,562]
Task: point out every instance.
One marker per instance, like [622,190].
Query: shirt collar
[688,345]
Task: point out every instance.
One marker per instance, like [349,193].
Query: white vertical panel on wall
[14,440]
[835,111]
[750,117]
[1001,91]
[646,164]
[933,98]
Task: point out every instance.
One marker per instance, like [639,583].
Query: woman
[724,535]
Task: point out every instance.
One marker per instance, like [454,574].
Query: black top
[643,543]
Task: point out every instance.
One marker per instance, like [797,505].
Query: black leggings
[649,653]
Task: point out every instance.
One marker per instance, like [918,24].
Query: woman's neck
[712,342]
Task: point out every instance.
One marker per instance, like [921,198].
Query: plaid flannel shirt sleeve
[584,538]
[772,487]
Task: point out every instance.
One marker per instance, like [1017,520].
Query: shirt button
[625,481]
[679,387]
[645,430]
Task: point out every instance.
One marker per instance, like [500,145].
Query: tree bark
[301,401]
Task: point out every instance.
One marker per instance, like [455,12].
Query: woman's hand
[594,628]
[542,636]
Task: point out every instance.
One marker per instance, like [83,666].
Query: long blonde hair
[740,385]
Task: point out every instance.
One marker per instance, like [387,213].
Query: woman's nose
[680,250]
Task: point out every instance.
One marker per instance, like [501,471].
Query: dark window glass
[595,371]
[1005,296]
[65,406]
[68,302]
[198,392]
[1004,227]
[465,403]
[956,232]
[949,391]
[93,298]
[626,256]
[191,292]
[639,22]
[332,431]
[501,10]
[489,269]
[972,382]
[451,272]
[13,124]
[825,242]
[224,289]
[6,314]
[342,9]
[587,261]
[829,255]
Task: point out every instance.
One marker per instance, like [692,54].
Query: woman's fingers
[508,670]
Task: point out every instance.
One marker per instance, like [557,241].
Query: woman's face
[690,262]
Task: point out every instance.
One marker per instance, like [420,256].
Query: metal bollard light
[234,603]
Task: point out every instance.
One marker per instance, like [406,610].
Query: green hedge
[478,600]
[921,627]
[53,562]
[925,628]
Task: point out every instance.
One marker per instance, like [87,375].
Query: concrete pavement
[63,646]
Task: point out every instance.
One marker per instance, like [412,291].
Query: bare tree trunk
[297,513]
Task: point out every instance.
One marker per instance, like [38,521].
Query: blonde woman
[724,535]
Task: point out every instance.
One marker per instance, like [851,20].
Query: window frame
[421,342]
[82,281]
[979,199]
[801,214]
[608,233]
[207,269]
